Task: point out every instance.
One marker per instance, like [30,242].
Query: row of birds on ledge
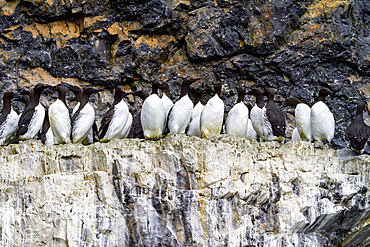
[160,116]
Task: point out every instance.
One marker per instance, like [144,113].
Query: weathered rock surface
[183,191]
[294,46]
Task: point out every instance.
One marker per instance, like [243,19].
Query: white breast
[35,123]
[251,133]
[212,117]
[60,122]
[303,121]
[49,138]
[237,120]
[179,117]
[322,122]
[194,125]
[9,127]
[126,129]
[167,104]
[153,117]
[117,122]
[83,123]
[261,123]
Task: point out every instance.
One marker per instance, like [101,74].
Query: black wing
[277,120]
[24,121]
[3,118]
[166,129]
[105,122]
[136,128]
[45,127]
[358,135]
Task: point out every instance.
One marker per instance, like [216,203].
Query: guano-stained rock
[182,191]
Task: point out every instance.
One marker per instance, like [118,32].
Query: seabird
[258,115]
[46,135]
[180,114]
[33,116]
[251,133]
[77,91]
[358,132]
[8,119]
[153,114]
[295,135]
[194,125]
[167,103]
[115,119]
[83,119]
[212,115]
[322,120]
[59,118]
[237,118]
[302,114]
[274,116]
[136,128]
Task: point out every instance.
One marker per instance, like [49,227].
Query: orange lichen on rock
[62,31]
[39,75]
[8,7]
[321,7]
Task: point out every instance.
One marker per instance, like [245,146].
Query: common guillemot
[32,118]
[59,118]
[275,117]
[180,114]
[302,114]
[153,114]
[322,120]
[237,118]
[83,119]
[115,119]
[8,119]
[358,132]
[212,115]
[194,125]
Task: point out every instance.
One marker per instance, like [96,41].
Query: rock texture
[183,191]
[294,46]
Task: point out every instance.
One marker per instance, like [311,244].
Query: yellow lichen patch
[38,29]
[8,7]
[39,75]
[321,7]
[178,2]
[62,31]
[153,42]
[90,21]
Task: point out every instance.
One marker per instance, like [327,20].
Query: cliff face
[294,46]
[183,191]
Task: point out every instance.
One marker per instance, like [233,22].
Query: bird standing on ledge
[212,116]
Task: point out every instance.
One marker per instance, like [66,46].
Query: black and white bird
[302,114]
[77,91]
[115,119]
[322,120]
[212,115]
[258,114]
[167,102]
[251,133]
[32,118]
[46,134]
[136,128]
[237,118]
[153,114]
[83,119]
[59,118]
[275,118]
[180,113]
[358,132]
[194,125]
[8,119]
